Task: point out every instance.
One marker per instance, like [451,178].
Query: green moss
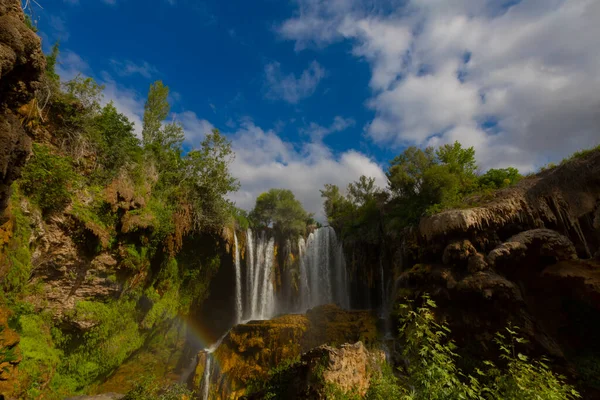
[17,251]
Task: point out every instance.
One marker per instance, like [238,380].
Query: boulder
[326,372]
[477,263]
[458,252]
[534,248]
[248,351]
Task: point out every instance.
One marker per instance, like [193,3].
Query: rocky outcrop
[21,66]
[250,350]
[67,271]
[526,257]
[565,199]
[326,372]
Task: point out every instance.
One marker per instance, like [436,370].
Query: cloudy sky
[322,91]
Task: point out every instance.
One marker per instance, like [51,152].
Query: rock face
[526,257]
[9,340]
[325,372]
[21,66]
[250,350]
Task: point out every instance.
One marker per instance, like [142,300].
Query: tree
[51,60]
[280,209]
[162,141]
[209,180]
[499,178]
[362,191]
[156,111]
[406,171]
[115,139]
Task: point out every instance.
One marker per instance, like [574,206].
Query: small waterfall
[249,272]
[238,282]
[205,383]
[206,377]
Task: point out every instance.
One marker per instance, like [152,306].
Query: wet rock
[250,350]
[346,369]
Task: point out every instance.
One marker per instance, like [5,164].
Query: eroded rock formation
[250,350]
[21,66]
[326,371]
[526,257]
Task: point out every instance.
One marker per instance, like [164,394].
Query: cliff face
[21,66]
[250,350]
[530,256]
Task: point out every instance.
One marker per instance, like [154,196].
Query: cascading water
[206,378]
[323,276]
[322,279]
[238,282]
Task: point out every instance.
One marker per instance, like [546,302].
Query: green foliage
[115,334]
[525,378]
[432,372]
[276,384]
[51,60]
[48,179]
[499,178]
[7,355]
[430,179]
[116,143]
[17,251]
[30,24]
[149,388]
[40,355]
[384,385]
[280,209]
[208,181]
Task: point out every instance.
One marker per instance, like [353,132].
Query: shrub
[48,179]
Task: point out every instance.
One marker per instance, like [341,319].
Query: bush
[432,372]
[48,179]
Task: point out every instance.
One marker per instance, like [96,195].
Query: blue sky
[315,91]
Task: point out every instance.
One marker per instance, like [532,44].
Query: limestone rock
[477,263]
[21,66]
[347,369]
[458,252]
[250,350]
[530,246]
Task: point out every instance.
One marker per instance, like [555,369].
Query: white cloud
[195,128]
[264,160]
[59,28]
[318,132]
[288,87]
[441,68]
[128,68]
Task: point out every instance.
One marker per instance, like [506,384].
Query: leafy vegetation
[279,209]
[420,182]
[138,200]
[48,179]
[432,372]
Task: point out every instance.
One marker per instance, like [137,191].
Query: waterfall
[260,257]
[323,275]
[206,377]
[238,282]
